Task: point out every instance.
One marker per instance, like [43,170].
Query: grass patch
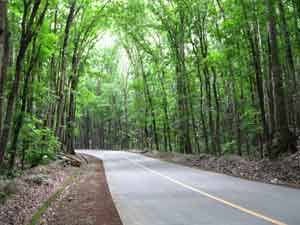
[3,196]
[9,174]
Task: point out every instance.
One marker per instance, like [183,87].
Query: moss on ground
[46,204]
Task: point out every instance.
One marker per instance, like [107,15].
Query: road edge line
[218,199]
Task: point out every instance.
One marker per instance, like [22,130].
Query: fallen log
[70,160]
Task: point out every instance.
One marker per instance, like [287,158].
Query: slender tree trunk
[29,111]
[53,81]
[11,101]
[166,113]
[146,132]
[291,74]
[184,127]
[218,112]
[71,115]
[21,114]
[150,101]
[88,129]
[209,106]
[4,53]
[62,99]
[271,105]
[194,127]
[255,52]
[282,129]
[27,34]
[202,113]
[126,130]
[71,110]
[296,19]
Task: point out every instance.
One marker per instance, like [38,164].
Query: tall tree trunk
[255,52]
[291,74]
[4,53]
[270,85]
[71,114]
[146,132]
[11,99]
[53,81]
[166,113]
[184,127]
[62,99]
[209,109]
[194,127]
[71,110]
[202,113]
[282,129]
[126,129]
[27,34]
[218,112]
[296,19]
[21,114]
[151,107]
[236,113]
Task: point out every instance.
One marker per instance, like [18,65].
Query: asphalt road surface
[148,191]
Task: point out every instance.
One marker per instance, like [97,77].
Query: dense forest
[213,76]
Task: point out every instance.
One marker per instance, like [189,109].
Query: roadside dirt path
[86,202]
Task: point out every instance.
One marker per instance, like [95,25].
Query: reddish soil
[86,202]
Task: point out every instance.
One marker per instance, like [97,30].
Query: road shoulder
[86,202]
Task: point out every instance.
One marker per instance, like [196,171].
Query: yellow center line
[218,199]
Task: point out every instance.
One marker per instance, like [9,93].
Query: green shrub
[228,147]
[6,173]
[2,197]
[42,144]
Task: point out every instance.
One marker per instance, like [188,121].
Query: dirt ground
[86,202]
[28,191]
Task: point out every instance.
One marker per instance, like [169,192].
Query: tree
[278,91]
[4,56]
[32,20]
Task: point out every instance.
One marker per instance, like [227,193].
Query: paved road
[152,192]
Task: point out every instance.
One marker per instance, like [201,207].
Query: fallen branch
[82,156]
[71,159]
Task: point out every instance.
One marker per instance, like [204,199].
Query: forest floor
[84,199]
[285,171]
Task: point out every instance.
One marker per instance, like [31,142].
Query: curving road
[148,191]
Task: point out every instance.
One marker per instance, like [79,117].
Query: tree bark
[61,94]
[296,18]
[218,112]
[255,52]
[27,34]
[53,82]
[291,73]
[168,144]
[4,53]
[71,113]
[21,114]
[282,130]
[209,109]
[151,107]
[184,127]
